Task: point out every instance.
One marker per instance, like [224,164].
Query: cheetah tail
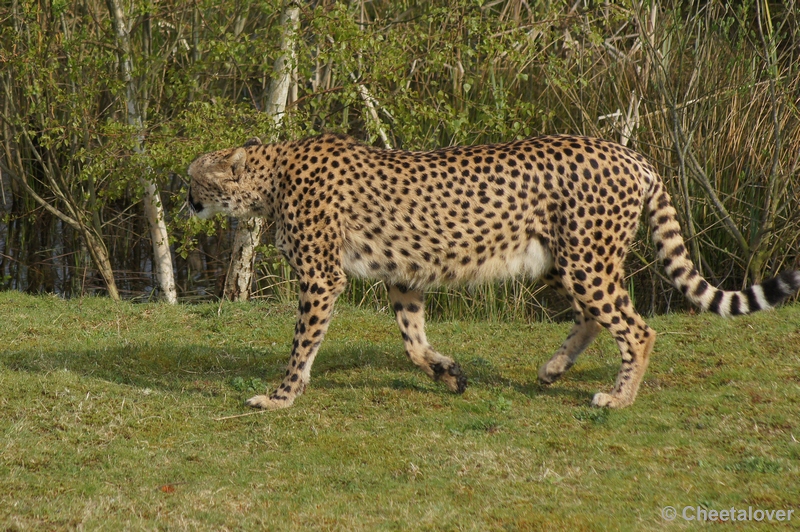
[671,249]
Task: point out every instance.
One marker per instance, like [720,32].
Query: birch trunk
[154,211]
[239,282]
[368,99]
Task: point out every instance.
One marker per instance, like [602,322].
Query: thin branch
[40,200]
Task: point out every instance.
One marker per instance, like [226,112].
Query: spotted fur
[562,208]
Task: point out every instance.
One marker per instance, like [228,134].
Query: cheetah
[561,208]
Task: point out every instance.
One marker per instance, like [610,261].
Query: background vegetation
[707,90]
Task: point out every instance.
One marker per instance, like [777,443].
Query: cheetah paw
[451,375]
[268,403]
[455,378]
[545,377]
[546,380]
[604,400]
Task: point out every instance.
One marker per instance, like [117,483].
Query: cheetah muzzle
[563,209]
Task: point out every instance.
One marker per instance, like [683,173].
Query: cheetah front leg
[317,297]
[409,309]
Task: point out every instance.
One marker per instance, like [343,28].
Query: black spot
[677,272]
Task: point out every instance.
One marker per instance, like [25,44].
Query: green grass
[107,421]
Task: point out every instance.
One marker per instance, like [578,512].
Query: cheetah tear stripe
[563,209]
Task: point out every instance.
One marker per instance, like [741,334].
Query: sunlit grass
[109,421]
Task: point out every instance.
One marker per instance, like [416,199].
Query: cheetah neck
[265,163]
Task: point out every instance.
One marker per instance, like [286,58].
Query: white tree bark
[239,283]
[368,99]
[162,258]
[285,65]
[154,210]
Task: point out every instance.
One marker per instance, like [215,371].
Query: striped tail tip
[762,296]
[780,287]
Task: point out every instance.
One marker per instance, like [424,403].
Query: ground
[109,420]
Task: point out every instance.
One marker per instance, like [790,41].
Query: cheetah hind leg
[635,340]
[582,334]
[409,308]
[636,355]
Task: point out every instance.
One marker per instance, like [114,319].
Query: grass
[108,422]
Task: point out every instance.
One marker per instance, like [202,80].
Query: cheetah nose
[197,206]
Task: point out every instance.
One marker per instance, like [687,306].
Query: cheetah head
[222,182]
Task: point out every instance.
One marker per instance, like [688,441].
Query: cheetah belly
[531,260]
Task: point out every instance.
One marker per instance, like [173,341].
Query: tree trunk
[285,65]
[154,211]
[99,253]
[162,259]
[239,282]
[369,101]
[240,279]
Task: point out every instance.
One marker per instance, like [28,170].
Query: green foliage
[253,385]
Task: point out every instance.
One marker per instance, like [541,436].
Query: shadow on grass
[176,368]
[166,367]
[601,378]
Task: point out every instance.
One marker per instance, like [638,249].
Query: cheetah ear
[237,161]
[255,141]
